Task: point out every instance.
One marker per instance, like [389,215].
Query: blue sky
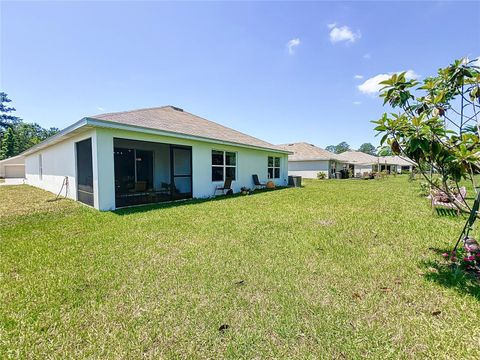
[283,72]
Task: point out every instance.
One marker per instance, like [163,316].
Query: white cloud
[367,56]
[357,102]
[372,86]
[292,44]
[342,33]
[358,77]
[99,108]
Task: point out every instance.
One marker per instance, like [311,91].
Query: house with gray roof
[308,160]
[120,159]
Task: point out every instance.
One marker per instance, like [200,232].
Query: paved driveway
[13,181]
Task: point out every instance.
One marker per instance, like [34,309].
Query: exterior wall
[249,162]
[13,166]
[308,169]
[360,169]
[58,161]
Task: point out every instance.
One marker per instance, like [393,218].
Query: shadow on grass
[452,276]
[173,204]
[446,212]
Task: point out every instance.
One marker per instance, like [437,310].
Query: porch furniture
[227,185]
[140,186]
[441,199]
[257,182]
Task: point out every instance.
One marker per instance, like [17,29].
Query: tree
[339,148]
[368,148]
[330,148]
[437,126]
[30,134]
[6,119]
[385,151]
[8,144]
[342,147]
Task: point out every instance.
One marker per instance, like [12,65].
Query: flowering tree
[437,126]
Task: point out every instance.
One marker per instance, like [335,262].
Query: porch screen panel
[85,172]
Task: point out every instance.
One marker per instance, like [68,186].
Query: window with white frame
[40,167]
[273,167]
[224,165]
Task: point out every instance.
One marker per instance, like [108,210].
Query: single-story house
[396,163]
[150,155]
[13,167]
[308,160]
[358,162]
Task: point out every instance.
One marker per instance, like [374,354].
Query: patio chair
[257,182]
[440,199]
[227,185]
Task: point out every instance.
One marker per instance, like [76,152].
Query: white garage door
[14,171]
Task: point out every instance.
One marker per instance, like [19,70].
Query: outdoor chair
[257,182]
[440,199]
[227,185]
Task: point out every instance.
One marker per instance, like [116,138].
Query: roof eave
[114,125]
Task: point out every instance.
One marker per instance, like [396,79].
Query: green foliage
[368,148]
[321,175]
[8,144]
[435,126]
[339,148]
[6,119]
[23,136]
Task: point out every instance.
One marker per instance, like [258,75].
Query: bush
[321,175]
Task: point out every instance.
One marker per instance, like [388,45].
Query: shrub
[321,175]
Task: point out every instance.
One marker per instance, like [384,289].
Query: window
[224,165]
[40,167]
[273,167]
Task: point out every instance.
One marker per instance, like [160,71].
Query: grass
[337,269]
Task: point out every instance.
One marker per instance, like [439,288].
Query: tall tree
[6,119]
[342,147]
[8,144]
[368,148]
[330,148]
[339,148]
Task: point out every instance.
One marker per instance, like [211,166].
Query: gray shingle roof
[175,120]
[303,151]
[358,157]
[396,160]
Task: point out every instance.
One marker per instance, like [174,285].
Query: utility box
[295,181]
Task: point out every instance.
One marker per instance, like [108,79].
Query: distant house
[13,167]
[396,163]
[308,160]
[150,155]
[359,162]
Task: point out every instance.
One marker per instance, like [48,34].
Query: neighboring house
[308,160]
[359,162]
[13,167]
[396,163]
[150,155]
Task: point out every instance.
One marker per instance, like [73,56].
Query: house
[149,155]
[13,167]
[358,162]
[396,163]
[308,160]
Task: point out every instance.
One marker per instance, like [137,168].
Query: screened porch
[150,172]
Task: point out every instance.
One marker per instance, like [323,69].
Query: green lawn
[337,269]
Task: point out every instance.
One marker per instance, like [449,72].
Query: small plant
[245,191]
[321,175]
